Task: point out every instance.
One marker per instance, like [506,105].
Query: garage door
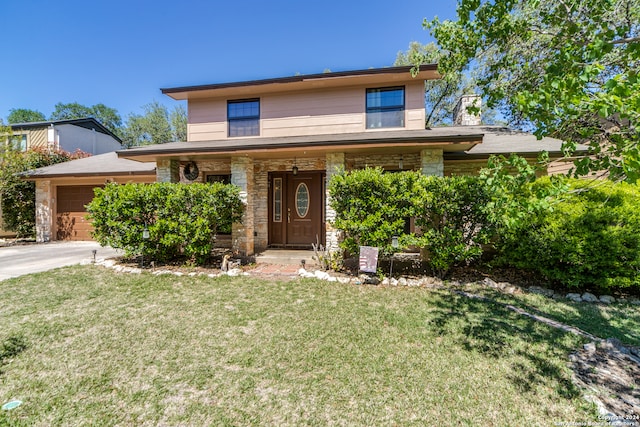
[70,216]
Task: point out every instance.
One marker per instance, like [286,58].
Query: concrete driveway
[25,259]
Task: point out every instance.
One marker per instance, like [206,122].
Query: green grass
[621,321]
[101,348]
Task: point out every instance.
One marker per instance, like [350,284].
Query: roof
[448,138]
[87,123]
[388,74]
[504,140]
[102,164]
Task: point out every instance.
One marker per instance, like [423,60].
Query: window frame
[385,109]
[235,119]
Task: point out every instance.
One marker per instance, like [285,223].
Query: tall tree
[178,118]
[24,115]
[108,116]
[565,68]
[151,128]
[441,95]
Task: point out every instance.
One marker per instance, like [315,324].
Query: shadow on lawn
[11,347]
[495,332]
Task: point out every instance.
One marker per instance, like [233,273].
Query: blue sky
[120,53]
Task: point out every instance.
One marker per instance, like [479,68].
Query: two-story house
[88,135]
[280,140]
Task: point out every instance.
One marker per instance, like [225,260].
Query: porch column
[335,163]
[242,237]
[432,161]
[167,171]
[44,211]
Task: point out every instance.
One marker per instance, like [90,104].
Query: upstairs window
[244,117]
[385,107]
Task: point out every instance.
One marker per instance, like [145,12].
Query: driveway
[25,259]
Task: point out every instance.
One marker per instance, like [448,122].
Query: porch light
[145,233]
[394,242]
[294,169]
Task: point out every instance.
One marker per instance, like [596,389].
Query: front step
[286,257]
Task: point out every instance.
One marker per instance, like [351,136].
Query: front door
[296,209]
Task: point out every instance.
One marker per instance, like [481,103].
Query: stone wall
[44,213]
[167,171]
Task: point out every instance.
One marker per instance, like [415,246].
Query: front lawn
[101,348]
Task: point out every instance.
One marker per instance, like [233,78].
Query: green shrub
[454,220]
[372,206]
[590,238]
[182,219]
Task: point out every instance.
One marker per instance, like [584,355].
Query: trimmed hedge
[182,219]
[373,206]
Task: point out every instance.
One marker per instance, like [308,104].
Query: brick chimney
[461,117]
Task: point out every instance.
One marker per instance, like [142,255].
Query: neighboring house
[280,140]
[87,135]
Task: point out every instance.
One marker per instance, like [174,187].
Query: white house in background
[88,135]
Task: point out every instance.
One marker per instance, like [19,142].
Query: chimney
[461,117]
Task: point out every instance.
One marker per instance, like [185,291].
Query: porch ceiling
[403,141]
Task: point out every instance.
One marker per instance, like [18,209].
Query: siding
[339,110]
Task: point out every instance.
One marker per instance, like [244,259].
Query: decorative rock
[135,271]
[178,273]
[574,297]
[542,291]
[393,282]
[212,275]
[607,299]
[343,280]
[192,274]
[590,347]
[385,281]
[322,275]
[635,302]
[589,297]
[233,272]
[489,282]
[402,282]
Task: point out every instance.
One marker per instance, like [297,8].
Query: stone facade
[432,162]
[242,175]
[461,117]
[335,164]
[44,211]
[168,171]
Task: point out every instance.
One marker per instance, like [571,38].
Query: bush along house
[280,140]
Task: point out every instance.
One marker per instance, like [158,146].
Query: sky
[120,53]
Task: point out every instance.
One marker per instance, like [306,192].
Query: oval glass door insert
[302,200]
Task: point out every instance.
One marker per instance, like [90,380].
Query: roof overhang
[375,142]
[372,76]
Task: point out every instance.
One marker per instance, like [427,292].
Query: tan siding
[206,131]
[471,167]
[338,110]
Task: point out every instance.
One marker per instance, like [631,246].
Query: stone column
[167,171]
[335,164]
[44,211]
[242,237]
[432,161]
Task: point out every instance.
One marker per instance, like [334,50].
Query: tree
[109,117]
[178,118]
[24,115]
[441,96]
[564,68]
[156,126]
